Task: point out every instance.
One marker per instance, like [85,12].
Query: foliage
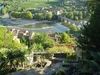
[27,15]
[90,66]
[89,38]
[24,15]
[70,53]
[37,47]
[7,40]
[18,56]
[3,58]
[92,5]
[73,28]
[48,15]
[25,41]
[65,38]
[44,40]
[60,72]
[76,15]
[3,11]
[4,72]
[39,16]
[43,15]
[11,57]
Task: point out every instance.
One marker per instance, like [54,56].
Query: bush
[70,53]
[60,72]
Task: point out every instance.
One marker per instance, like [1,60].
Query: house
[54,37]
[21,33]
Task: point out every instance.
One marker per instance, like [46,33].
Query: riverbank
[7,21]
[43,27]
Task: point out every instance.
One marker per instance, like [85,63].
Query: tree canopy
[44,40]
[90,36]
[7,40]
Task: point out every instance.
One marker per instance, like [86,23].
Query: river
[48,27]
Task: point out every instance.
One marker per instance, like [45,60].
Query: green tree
[2,35]
[73,28]
[92,5]
[3,11]
[28,15]
[48,15]
[39,16]
[80,15]
[89,39]
[37,47]
[65,14]
[7,40]
[17,55]
[44,40]
[76,18]
[65,38]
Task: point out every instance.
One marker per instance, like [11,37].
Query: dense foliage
[74,9]
[65,38]
[89,42]
[89,39]
[23,15]
[70,53]
[44,40]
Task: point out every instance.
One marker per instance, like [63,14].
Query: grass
[38,3]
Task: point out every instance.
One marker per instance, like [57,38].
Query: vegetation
[44,40]
[72,10]
[89,42]
[65,38]
[24,15]
[70,53]
[60,72]
[12,52]
[90,66]
[36,4]
[76,15]
[30,3]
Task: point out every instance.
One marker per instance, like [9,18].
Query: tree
[37,47]
[7,40]
[3,11]
[89,38]
[65,38]
[39,16]
[49,15]
[76,17]
[80,15]
[28,15]
[92,5]
[25,15]
[73,28]
[44,40]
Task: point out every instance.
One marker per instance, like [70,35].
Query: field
[38,3]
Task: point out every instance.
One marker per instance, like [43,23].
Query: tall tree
[90,37]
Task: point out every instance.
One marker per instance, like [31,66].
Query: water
[48,27]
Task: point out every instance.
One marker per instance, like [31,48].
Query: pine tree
[90,36]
